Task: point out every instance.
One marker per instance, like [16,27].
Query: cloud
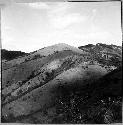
[8,28]
[100,35]
[61,16]
[60,8]
[94,11]
[61,22]
[38,5]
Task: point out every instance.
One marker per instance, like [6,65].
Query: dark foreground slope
[59,84]
[98,102]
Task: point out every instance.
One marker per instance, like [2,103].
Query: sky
[31,26]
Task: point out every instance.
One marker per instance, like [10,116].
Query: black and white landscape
[61,83]
[64,84]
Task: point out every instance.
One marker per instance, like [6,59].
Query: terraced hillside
[34,86]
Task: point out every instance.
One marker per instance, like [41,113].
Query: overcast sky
[32,26]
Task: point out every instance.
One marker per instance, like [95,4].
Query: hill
[9,55]
[95,103]
[46,51]
[21,68]
[105,54]
[41,86]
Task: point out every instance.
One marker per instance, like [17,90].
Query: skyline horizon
[60,43]
[30,26]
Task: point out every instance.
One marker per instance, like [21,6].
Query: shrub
[89,103]
[37,56]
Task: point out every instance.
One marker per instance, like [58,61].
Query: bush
[76,109]
[37,56]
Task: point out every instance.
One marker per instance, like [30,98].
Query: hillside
[95,103]
[106,54]
[9,55]
[38,87]
[46,51]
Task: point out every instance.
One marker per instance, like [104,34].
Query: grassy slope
[23,71]
[45,95]
[40,78]
[41,53]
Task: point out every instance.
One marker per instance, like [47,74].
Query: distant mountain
[106,54]
[9,55]
[42,86]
